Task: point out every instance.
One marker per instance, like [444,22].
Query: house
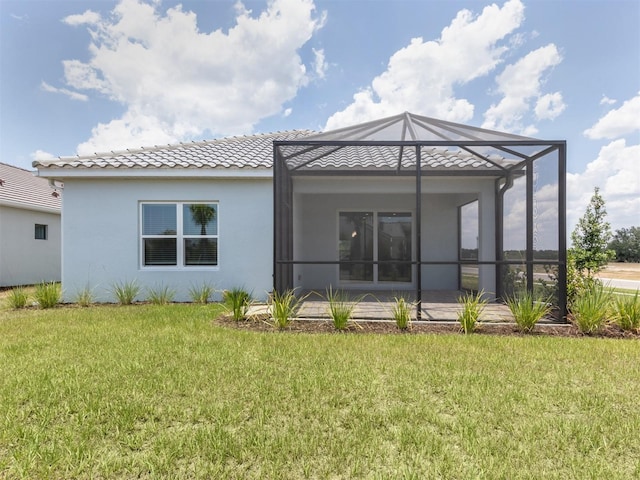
[401,203]
[29,228]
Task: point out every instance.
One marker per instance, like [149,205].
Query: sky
[86,76]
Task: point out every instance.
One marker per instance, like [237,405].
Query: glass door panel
[356,244]
[394,243]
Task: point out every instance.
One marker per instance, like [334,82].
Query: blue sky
[79,77]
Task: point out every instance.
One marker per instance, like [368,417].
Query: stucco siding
[23,259]
[101,228]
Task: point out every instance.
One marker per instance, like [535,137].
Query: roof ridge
[17,167]
[170,146]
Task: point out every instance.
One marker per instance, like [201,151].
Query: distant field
[622,271]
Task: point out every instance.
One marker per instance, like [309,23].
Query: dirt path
[622,271]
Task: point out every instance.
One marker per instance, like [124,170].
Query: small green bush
[18,297]
[125,292]
[201,293]
[161,295]
[401,312]
[627,311]
[341,308]
[590,308]
[84,297]
[48,294]
[284,307]
[472,307]
[527,310]
[237,301]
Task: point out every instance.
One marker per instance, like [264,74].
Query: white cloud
[520,83]
[42,155]
[69,93]
[89,17]
[607,101]
[549,106]
[320,64]
[617,172]
[618,122]
[178,82]
[421,77]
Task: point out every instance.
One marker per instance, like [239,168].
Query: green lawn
[161,392]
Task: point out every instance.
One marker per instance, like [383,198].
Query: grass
[48,294]
[159,392]
[201,293]
[591,308]
[125,292]
[283,307]
[627,311]
[17,297]
[341,307]
[527,310]
[401,312]
[161,295]
[237,301]
[472,305]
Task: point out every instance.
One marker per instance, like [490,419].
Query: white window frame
[179,236]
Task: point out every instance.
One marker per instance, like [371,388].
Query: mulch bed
[263,323]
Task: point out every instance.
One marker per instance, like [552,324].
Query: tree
[202,215]
[591,237]
[626,244]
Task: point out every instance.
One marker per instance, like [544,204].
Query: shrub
[84,297]
[18,297]
[472,307]
[125,292]
[161,295]
[527,310]
[341,307]
[401,312]
[201,294]
[48,294]
[237,301]
[591,307]
[627,311]
[284,307]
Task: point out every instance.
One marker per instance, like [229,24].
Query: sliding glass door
[375,236]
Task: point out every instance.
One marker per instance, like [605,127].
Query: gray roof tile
[21,188]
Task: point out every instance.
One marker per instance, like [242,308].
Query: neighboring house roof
[20,188]
[246,152]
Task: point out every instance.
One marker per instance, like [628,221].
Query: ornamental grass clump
[18,297]
[527,310]
[401,312]
[84,297]
[472,307]
[284,307]
[627,311]
[162,295]
[590,309]
[237,301]
[341,308]
[201,293]
[48,294]
[125,292]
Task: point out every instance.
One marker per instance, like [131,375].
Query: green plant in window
[202,214]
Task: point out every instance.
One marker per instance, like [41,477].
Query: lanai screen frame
[283,261]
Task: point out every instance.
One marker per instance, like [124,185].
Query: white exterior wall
[23,259]
[101,228]
[317,202]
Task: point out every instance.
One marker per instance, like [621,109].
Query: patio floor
[437,305]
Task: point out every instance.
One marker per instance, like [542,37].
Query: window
[375,236]
[179,234]
[41,232]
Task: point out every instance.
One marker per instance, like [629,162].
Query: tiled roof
[251,152]
[21,188]
[385,158]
